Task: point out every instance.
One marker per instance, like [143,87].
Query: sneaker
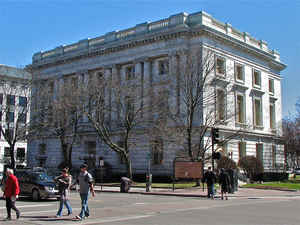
[57,216]
[69,213]
[78,218]
[7,218]
[18,215]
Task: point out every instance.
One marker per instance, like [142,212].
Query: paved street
[140,209]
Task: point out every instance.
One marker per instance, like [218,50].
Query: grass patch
[276,185]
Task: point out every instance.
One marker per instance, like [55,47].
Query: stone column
[139,76]
[148,85]
[108,90]
[115,81]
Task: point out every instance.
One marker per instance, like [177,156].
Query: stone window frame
[218,59]
[271,86]
[256,78]
[236,64]
[237,108]
[219,89]
[260,113]
[163,66]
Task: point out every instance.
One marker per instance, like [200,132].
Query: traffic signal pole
[212,149]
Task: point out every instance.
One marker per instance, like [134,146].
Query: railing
[200,18]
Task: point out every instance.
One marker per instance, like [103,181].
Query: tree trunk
[128,167]
[70,157]
[12,157]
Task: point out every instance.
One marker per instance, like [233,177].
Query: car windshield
[42,177]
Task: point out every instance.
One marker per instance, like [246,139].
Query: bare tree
[57,113]
[15,99]
[118,109]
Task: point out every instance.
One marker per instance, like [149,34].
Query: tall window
[221,104]
[271,86]
[90,147]
[242,149]
[163,67]
[1,99]
[7,152]
[256,78]
[273,156]
[42,149]
[130,73]
[257,112]
[157,151]
[21,154]
[10,117]
[240,102]
[22,117]
[272,116]
[239,72]
[10,100]
[22,101]
[260,152]
[220,66]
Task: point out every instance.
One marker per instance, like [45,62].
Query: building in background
[14,93]
[247,81]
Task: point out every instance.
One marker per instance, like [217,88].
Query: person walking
[64,184]
[210,179]
[11,193]
[85,181]
[224,182]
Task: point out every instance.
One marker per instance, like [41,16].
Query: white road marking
[29,206]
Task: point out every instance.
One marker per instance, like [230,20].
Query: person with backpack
[210,179]
[85,181]
[64,183]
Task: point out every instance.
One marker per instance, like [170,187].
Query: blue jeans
[210,190]
[85,212]
[64,201]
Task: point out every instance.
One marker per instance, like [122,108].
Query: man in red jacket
[11,193]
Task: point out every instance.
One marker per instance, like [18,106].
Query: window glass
[256,78]
[22,101]
[271,86]
[239,72]
[259,151]
[272,116]
[163,67]
[242,149]
[220,104]
[240,109]
[220,66]
[257,112]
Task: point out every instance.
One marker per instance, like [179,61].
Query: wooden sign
[188,170]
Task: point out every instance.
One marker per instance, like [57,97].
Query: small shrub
[251,166]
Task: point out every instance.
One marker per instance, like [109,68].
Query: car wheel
[35,195]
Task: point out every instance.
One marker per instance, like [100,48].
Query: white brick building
[247,72]
[14,92]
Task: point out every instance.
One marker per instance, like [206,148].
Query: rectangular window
[239,72]
[74,83]
[10,117]
[242,149]
[22,101]
[90,147]
[271,86]
[130,73]
[21,154]
[157,151]
[42,149]
[272,116]
[1,99]
[163,67]
[7,152]
[240,101]
[10,100]
[9,133]
[257,112]
[22,118]
[0,115]
[220,66]
[220,104]
[260,152]
[274,156]
[256,78]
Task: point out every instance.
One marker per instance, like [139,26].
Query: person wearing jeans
[85,181]
[11,193]
[64,183]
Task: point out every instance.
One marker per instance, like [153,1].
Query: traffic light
[215,135]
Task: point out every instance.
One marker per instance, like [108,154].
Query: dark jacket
[224,181]
[209,178]
[63,183]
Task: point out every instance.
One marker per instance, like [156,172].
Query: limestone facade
[250,78]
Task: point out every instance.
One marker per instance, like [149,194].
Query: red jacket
[11,186]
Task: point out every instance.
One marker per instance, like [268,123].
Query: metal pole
[212,151]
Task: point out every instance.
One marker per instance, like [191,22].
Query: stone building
[247,74]
[14,93]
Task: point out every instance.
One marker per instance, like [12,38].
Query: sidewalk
[198,192]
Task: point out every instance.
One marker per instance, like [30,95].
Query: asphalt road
[137,209]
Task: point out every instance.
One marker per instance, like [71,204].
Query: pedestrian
[85,181]
[64,182]
[11,193]
[224,182]
[210,179]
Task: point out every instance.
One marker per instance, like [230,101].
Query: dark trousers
[10,204]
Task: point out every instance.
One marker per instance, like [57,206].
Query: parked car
[297,171]
[36,184]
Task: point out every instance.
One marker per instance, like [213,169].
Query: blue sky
[29,26]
